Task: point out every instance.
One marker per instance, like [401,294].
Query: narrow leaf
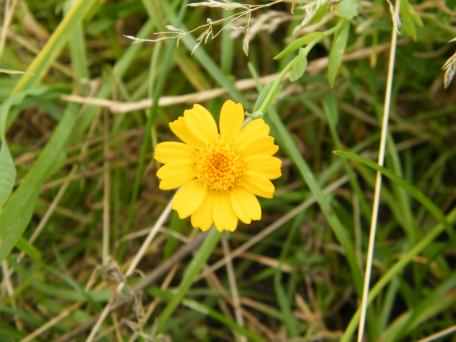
[330,106]
[299,66]
[312,37]
[348,9]
[412,190]
[7,174]
[409,19]
[337,52]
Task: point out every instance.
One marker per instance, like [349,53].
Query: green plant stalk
[274,87]
[227,48]
[18,211]
[191,273]
[154,93]
[232,325]
[412,190]
[304,169]
[167,295]
[282,296]
[396,269]
[323,200]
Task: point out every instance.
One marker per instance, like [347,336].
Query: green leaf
[29,249]
[412,190]
[18,211]
[191,272]
[395,269]
[324,200]
[299,65]
[347,9]
[330,106]
[337,51]
[7,174]
[409,19]
[313,37]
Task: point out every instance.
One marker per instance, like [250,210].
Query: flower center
[219,167]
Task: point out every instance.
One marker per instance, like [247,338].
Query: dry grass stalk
[204,96]
[240,21]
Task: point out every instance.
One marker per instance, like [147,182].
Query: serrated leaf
[337,51]
[299,66]
[347,9]
[7,174]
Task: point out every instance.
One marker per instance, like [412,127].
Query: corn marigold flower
[218,173]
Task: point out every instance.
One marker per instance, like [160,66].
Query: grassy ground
[79,195]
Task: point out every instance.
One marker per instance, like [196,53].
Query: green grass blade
[18,211]
[339,230]
[397,268]
[191,273]
[412,190]
[337,51]
[7,174]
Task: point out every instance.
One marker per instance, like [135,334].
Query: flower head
[218,172]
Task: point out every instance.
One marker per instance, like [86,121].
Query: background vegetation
[84,100]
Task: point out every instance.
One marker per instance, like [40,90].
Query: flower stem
[191,273]
[274,87]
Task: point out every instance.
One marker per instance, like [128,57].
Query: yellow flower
[218,174]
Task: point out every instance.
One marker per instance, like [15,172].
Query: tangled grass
[89,247]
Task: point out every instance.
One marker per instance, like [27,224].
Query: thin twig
[50,210]
[51,323]
[233,287]
[8,284]
[10,5]
[150,310]
[192,245]
[272,227]
[64,314]
[142,251]
[439,334]
[203,96]
[378,180]
[159,271]
[106,193]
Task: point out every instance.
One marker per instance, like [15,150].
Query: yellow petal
[202,217]
[257,184]
[170,151]
[180,129]
[188,198]
[174,175]
[254,130]
[231,119]
[201,123]
[245,205]
[223,213]
[265,165]
[264,145]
